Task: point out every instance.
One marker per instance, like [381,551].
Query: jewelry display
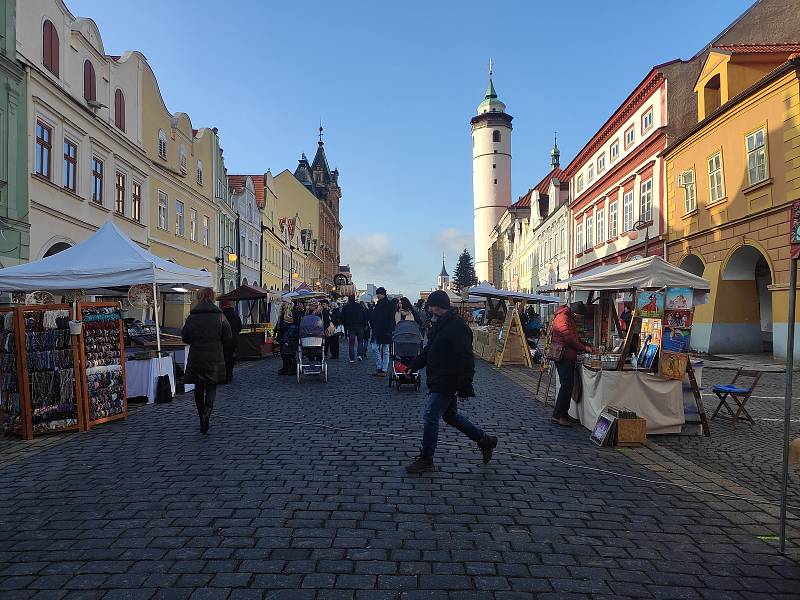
[9,376]
[102,360]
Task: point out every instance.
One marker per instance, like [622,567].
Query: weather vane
[490,68]
[320,131]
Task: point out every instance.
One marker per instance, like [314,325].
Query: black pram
[405,347]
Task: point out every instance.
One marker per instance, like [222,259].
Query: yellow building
[183,211]
[730,182]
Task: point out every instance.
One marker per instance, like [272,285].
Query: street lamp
[633,233]
[231,255]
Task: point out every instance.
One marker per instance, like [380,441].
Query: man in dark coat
[236,327]
[354,321]
[207,333]
[450,367]
[382,326]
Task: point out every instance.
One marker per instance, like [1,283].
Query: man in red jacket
[564,331]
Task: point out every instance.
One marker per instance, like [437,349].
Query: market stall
[38,340]
[499,338]
[644,367]
[252,342]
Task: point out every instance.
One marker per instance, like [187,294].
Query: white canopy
[489,291]
[644,273]
[107,259]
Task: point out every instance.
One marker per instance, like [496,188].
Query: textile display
[9,386]
[103,361]
[51,372]
[659,401]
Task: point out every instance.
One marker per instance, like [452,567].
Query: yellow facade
[293,198]
[742,166]
[183,213]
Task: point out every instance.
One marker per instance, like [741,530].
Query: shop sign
[794,230]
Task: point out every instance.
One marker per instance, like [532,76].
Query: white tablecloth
[658,400]
[141,375]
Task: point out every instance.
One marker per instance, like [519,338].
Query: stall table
[142,375]
[657,400]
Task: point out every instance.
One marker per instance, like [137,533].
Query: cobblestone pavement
[269,505]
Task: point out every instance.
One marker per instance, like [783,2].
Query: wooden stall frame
[84,376]
[513,328]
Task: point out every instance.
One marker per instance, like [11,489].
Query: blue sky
[395,84]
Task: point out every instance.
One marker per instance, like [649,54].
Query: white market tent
[107,259]
[485,290]
[645,273]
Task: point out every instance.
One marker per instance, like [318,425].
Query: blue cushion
[732,389]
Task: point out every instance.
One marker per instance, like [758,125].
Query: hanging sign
[794,230]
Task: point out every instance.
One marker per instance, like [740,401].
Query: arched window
[89,81]
[199,172]
[162,143]
[495,136]
[183,159]
[50,47]
[119,109]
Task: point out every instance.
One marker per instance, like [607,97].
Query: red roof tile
[758,48]
[236,185]
[544,184]
[523,201]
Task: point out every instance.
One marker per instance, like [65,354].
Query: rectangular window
[206,231]
[614,150]
[589,233]
[136,202]
[162,210]
[193,224]
[590,174]
[600,218]
[613,220]
[647,120]
[119,198]
[97,180]
[756,157]
[44,141]
[630,137]
[715,181]
[646,201]
[179,222]
[580,183]
[689,191]
[601,163]
[70,166]
[579,238]
[627,211]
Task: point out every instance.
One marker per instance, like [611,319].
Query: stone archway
[693,264]
[56,248]
[743,310]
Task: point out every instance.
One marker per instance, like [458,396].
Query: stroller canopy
[407,332]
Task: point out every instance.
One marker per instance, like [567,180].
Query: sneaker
[377,373]
[487,445]
[352,360]
[382,373]
[421,465]
[360,358]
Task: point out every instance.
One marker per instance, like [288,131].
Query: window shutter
[89,82]
[119,109]
[50,47]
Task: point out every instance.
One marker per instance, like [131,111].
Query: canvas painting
[677,318]
[675,339]
[679,298]
[673,365]
[650,305]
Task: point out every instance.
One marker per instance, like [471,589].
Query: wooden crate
[631,432]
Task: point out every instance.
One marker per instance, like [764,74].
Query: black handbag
[163,389]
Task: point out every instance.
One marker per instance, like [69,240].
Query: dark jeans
[204,395]
[230,360]
[332,344]
[357,344]
[566,379]
[288,363]
[445,407]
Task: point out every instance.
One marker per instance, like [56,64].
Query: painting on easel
[650,305]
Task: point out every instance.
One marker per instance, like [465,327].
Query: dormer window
[162,143]
[119,110]
[183,159]
[50,47]
[199,172]
[711,95]
[89,82]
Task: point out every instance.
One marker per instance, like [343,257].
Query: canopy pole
[155,312]
[787,401]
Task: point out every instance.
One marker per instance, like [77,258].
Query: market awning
[299,294]
[644,273]
[107,259]
[248,292]
[486,290]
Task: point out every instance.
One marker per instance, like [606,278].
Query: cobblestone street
[271,504]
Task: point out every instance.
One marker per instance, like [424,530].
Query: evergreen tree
[464,275]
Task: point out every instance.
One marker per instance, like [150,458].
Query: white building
[443,280]
[249,219]
[491,173]
[86,158]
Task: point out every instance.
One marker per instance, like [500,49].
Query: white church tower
[491,172]
[443,280]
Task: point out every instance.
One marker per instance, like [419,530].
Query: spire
[491,103]
[443,272]
[555,153]
[320,133]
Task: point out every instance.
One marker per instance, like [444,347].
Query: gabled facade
[249,213]
[86,159]
[224,222]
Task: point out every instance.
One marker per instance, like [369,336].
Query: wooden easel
[513,347]
[701,410]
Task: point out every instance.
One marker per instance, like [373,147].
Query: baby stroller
[311,358]
[404,348]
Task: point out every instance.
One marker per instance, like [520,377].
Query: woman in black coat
[235,321]
[207,333]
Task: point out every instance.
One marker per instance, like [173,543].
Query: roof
[321,162]
[236,184]
[491,103]
[758,48]
[443,272]
[523,201]
[544,184]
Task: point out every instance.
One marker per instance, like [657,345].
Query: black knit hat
[381,291]
[439,298]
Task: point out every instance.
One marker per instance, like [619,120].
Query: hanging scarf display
[103,361]
[9,378]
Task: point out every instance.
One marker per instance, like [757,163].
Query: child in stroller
[311,350]
[406,342]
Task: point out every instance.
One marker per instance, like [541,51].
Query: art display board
[102,357]
[512,347]
[39,363]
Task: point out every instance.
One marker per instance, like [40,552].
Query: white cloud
[453,241]
[371,258]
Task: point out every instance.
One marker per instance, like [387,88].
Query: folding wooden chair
[740,395]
